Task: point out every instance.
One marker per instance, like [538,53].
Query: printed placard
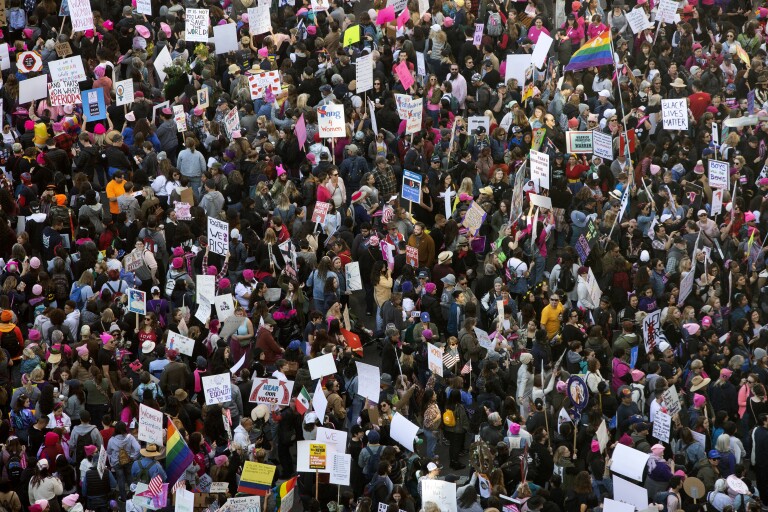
[124,92]
[218,389]
[63,93]
[411,187]
[203,98]
[232,122]
[196,26]
[341,468]
[218,236]
[151,425]
[182,210]
[137,301]
[718,174]
[271,392]
[180,118]
[94,108]
[578,142]
[330,121]
[675,114]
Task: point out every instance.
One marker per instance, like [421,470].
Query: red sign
[412,256]
[320,211]
[29,61]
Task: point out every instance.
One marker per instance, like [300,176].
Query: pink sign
[320,211]
[404,74]
[301,131]
[385,15]
[403,18]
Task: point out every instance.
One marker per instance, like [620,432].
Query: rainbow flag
[178,456]
[286,495]
[595,52]
[743,55]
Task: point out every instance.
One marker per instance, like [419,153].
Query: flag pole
[623,114]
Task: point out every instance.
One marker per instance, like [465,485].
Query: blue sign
[94,107]
[578,392]
[411,186]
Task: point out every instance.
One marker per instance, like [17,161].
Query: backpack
[83,440]
[566,282]
[13,468]
[123,457]
[149,242]
[372,466]
[512,277]
[494,24]
[660,498]
[143,475]
[77,295]
[60,288]
[449,419]
[116,294]
[17,19]
[170,284]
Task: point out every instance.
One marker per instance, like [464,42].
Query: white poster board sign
[137,301]
[124,92]
[629,493]
[629,462]
[196,26]
[217,388]
[540,169]
[335,440]
[718,174]
[330,121]
[364,73]
[474,122]
[271,392]
[162,61]
[303,450]
[403,431]
[671,400]
[517,66]
[225,38]
[181,343]
[225,306]
[67,70]
[368,381]
[81,15]
[602,145]
[675,114]
[32,89]
[64,93]
[185,501]
[638,21]
[354,280]
[441,493]
[341,468]
[259,21]
[435,359]
[321,366]
[541,50]
[151,425]
[662,423]
[218,236]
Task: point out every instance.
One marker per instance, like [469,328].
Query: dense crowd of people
[584,256]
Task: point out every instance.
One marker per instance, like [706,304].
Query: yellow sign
[317,456]
[258,473]
[352,35]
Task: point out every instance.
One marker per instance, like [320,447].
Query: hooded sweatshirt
[83,430]
[126,442]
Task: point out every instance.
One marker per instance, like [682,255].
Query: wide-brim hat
[152,451]
[699,382]
[678,82]
[444,256]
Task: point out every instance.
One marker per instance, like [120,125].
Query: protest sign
[151,425]
[32,89]
[218,236]
[243,504]
[330,121]
[477,39]
[144,7]
[162,61]
[404,431]
[718,174]
[63,93]
[101,464]
[629,493]
[412,256]
[219,487]
[180,118]
[256,478]
[63,50]
[206,287]
[474,218]
[517,67]
[5,58]
[475,122]
[686,287]
[259,21]
[69,70]
[435,359]
[225,38]
[182,210]
[578,142]
[303,451]
[224,306]
[196,26]
[541,50]
[675,114]
[602,145]
[156,502]
[439,492]
[629,462]
[218,389]
[540,169]
[181,343]
[137,301]
[414,112]
[319,400]
[411,187]
[541,201]
[124,92]
[94,107]
[404,75]
[364,73]
[322,366]
[81,15]
[662,424]
[667,12]
[259,83]
[610,505]
[652,333]
[232,122]
[637,19]
[368,381]
[335,440]
[671,400]
[318,456]
[717,202]
[354,280]
[271,392]
[341,468]
[185,501]
[320,212]
[29,61]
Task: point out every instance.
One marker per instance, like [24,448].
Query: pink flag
[404,74]
[403,18]
[385,15]
[301,131]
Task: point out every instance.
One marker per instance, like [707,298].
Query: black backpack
[60,289]
[14,469]
[372,467]
[83,440]
[565,281]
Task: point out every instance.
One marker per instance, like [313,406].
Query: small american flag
[467,368]
[450,360]
[181,484]
[155,487]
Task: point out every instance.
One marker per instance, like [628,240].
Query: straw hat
[699,382]
[152,451]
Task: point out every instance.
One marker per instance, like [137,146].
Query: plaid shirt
[386,182]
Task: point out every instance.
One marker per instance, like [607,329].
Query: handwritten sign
[435,359]
[218,389]
[81,15]
[675,114]
[63,50]
[63,93]
[477,39]
[258,84]
[474,218]
[667,12]
[181,343]
[151,425]
[271,392]
[180,118]
[259,21]
[540,169]
[638,21]
[196,26]
[69,69]
[718,174]
[412,256]
[671,400]
[225,307]
[320,212]
[232,121]
[602,145]
[144,7]
[439,492]
[256,478]
[662,424]
[414,111]
[218,236]
[330,121]
[182,210]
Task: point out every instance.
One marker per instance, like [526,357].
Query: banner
[675,114]
[196,26]
[330,121]
[218,389]
[151,425]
